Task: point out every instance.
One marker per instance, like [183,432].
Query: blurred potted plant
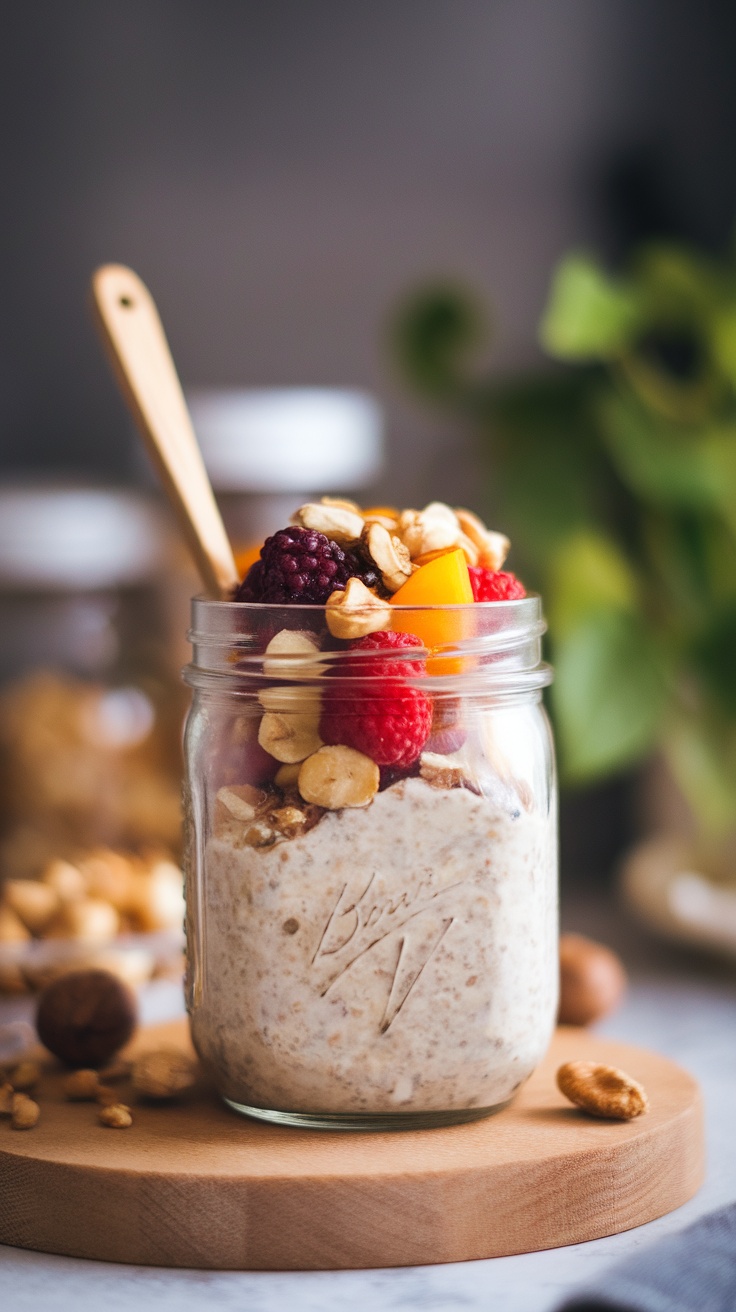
[615,472]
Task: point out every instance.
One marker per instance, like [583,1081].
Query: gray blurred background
[281,173]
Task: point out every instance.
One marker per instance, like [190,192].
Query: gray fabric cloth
[693,1271]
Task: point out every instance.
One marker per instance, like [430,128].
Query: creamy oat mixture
[336,981]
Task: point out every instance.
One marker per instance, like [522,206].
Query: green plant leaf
[433,334]
[589,573]
[608,696]
[701,754]
[659,461]
[589,316]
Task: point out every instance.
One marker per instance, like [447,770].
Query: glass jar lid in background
[288,439]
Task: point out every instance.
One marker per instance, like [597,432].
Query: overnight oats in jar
[372,865]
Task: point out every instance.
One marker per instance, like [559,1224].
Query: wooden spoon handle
[141,359]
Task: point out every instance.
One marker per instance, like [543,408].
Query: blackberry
[299,566]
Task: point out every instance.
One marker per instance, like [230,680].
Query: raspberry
[495,585]
[386,719]
[383,667]
[299,566]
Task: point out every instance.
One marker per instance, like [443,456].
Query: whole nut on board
[388,554]
[602,1091]
[12,929]
[493,548]
[25,1112]
[25,1075]
[354,611]
[88,920]
[338,776]
[340,525]
[116,1116]
[85,1017]
[81,1086]
[163,1074]
[592,980]
[35,902]
[289,738]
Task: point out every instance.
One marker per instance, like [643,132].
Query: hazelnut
[81,1086]
[164,1073]
[25,1075]
[25,1112]
[86,1016]
[116,1116]
[592,980]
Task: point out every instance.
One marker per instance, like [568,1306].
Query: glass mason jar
[370,948]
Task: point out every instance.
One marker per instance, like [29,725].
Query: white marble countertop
[681,1006]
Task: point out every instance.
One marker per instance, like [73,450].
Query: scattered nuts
[12,929]
[34,902]
[290,737]
[493,548]
[86,1016]
[117,1070]
[25,1075]
[287,776]
[164,1073]
[6,1099]
[440,771]
[81,1086]
[592,980]
[354,611]
[89,920]
[389,555]
[602,1090]
[67,880]
[24,1112]
[341,525]
[116,1117]
[105,1096]
[339,776]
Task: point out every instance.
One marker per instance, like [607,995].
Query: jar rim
[496,645]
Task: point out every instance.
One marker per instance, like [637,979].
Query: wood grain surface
[196,1185]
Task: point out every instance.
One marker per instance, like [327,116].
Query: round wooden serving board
[196,1185]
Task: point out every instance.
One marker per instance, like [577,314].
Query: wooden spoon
[141,359]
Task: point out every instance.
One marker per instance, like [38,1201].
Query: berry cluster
[299,566]
[372,708]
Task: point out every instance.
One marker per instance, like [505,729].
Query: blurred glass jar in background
[90,717]
[269,450]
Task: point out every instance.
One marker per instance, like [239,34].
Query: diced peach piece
[245,557]
[444,581]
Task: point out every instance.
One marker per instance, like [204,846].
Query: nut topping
[339,776]
[340,525]
[354,611]
[286,643]
[289,738]
[493,548]
[601,1090]
[240,800]
[389,555]
[440,771]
